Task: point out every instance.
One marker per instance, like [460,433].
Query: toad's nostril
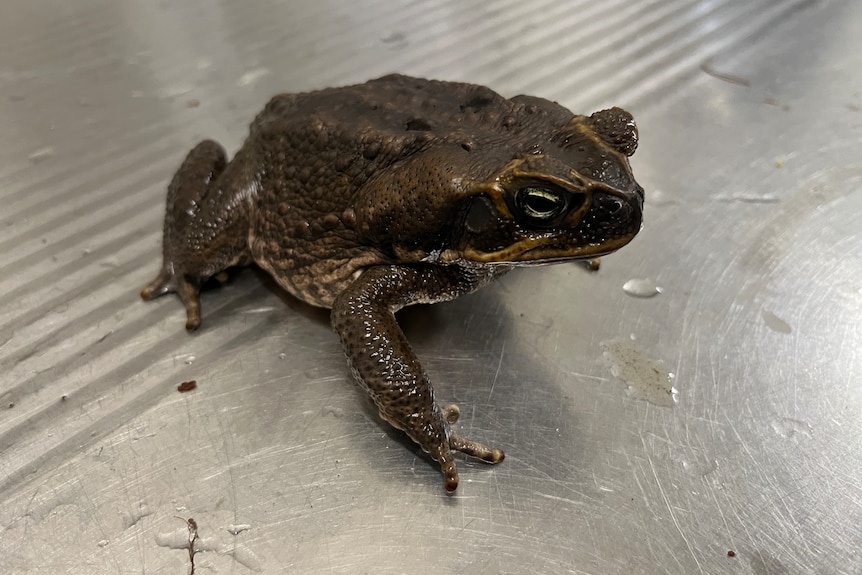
[609,204]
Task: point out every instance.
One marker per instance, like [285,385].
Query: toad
[365,199]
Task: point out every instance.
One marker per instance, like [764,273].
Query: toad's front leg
[387,368]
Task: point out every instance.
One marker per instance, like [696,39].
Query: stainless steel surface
[751,125]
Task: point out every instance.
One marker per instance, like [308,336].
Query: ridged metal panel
[749,113]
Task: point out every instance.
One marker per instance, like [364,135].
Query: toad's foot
[437,440]
[472,448]
[205,227]
[479,450]
[166,282]
[487,454]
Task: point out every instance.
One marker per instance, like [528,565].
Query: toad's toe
[168,281]
[476,449]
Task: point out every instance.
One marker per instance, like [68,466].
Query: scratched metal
[751,123]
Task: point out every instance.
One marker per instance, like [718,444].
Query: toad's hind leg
[206,228]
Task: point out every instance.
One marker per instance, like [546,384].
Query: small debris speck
[731,553]
[187,386]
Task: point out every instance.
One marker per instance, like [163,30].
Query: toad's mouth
[543,251]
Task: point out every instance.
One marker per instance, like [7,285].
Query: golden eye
[540,205]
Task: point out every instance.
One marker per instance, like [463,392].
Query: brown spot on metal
[187,386]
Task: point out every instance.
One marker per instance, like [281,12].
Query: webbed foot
[166,282]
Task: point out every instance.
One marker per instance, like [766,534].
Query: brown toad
[368,198]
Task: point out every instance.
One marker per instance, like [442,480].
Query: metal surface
[750,154]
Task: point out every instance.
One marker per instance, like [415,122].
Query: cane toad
[368,198]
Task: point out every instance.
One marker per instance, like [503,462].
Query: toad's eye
[541,206]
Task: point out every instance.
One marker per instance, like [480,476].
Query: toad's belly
[314,280]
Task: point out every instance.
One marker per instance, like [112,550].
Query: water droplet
[260,309]
[775,323]
[747,198]
[175,90]
[658,197]
[282,355]
[332,410]
[176,539]
[791,428]
[641,287]
[394,38]
[252,76]
[131,517]
[189,359]
[699,468]
[647,378]
[237,529]
[41,155]
[110,263]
